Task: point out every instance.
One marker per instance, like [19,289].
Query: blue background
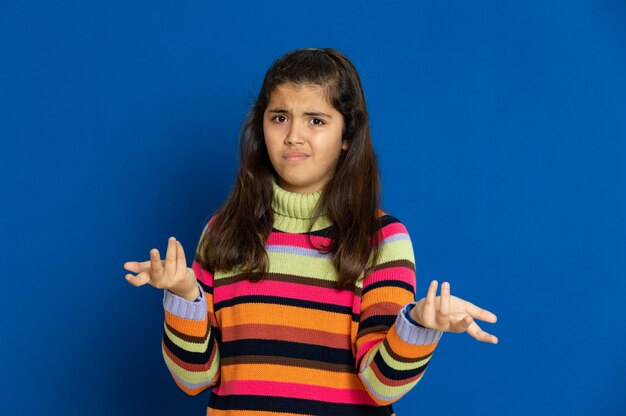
[501,132]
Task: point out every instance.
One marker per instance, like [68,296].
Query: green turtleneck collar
[293,211]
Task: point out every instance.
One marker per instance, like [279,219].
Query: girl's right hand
[171,274]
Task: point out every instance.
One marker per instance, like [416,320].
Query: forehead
[307,95]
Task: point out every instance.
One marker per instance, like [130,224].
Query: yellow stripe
[192,377]
[186,345]
[397,250]
[397,365]
[287,263]
[381,389]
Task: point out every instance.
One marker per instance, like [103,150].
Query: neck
[293,212]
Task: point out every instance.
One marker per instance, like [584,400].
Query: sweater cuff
[415,334]
[183,308]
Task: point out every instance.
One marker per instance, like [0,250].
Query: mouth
[295,156]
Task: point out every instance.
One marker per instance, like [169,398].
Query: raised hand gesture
[452,314]
[171,274]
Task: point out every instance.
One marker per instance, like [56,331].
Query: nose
[294,135]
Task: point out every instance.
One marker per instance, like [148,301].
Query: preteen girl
[300,298]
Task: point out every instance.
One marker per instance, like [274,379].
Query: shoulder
[208,223]
[391,227]
[394,267]
[395,241]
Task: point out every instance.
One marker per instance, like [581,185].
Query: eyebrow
[308,113]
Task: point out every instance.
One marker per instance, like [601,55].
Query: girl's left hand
[451,314]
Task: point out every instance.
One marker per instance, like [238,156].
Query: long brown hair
[237,233]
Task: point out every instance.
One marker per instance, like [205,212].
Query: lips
[295,156]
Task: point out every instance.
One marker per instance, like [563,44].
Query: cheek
[269,140]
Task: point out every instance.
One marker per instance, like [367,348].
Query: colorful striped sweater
[292,344]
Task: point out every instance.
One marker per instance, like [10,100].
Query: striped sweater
[292,344]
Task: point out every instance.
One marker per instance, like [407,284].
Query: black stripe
[388,219]
[328,232]
[394,374]
[385,220]
[324,232]
[377,320]
[387,283]
[287,349]
[276,300]
[288,405]
[187,356]
[206,288]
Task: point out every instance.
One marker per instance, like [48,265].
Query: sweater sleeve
[392,352]
[190,342]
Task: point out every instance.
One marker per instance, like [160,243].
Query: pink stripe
[395,228]
[366,347]
[294,390]
[201,274]
[285,290]
[356,305]
[403,274]
[296,240]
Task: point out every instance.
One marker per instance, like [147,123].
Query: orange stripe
[187,326]
[371,336]
[286,316]
[407,350]
[283,373]
[382,294]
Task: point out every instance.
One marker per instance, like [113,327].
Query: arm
[189,342]
[392,352]
[189,346]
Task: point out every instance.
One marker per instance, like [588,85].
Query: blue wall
[501,132]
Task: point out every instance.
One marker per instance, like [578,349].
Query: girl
[300,299]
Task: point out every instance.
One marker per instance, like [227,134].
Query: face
[303,136]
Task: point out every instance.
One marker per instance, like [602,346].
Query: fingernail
[172,239]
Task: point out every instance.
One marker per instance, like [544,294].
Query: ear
[344,144]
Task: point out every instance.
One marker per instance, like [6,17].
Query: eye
[279,118]
[318,122]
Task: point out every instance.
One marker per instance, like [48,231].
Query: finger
[136,267]
[443,316]
[181,262]
[170,258]
[475,331]
[137,280]
[156,265]
[480,313]
[429,311]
